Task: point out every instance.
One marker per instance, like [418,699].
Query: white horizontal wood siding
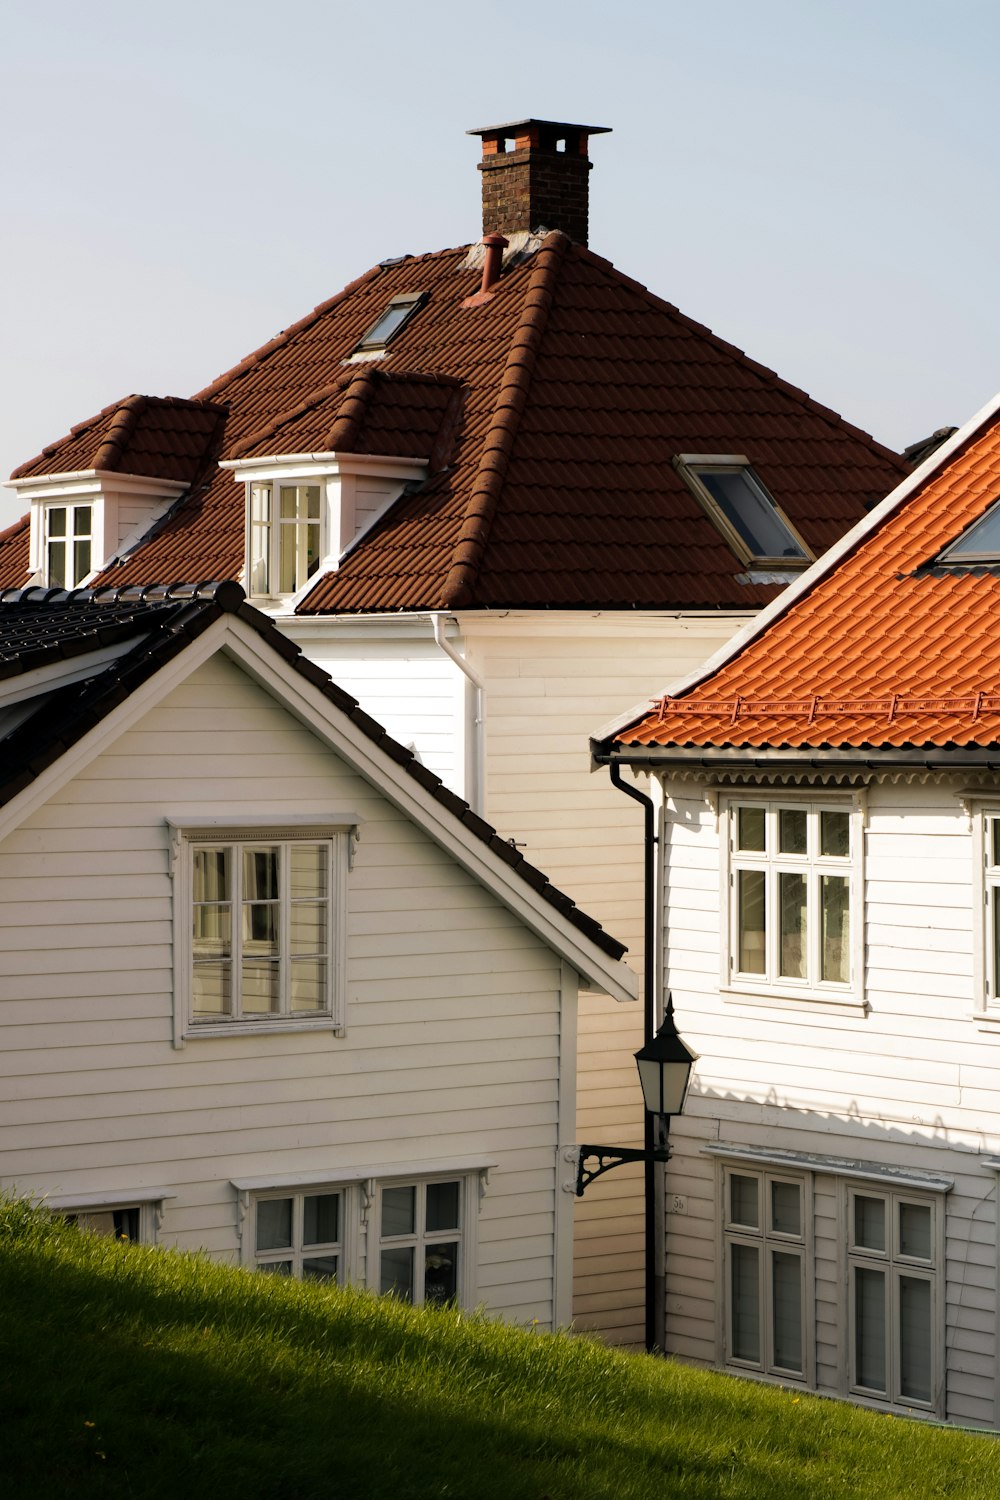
[453,1007]
[912,1082]
[551,681]
[406,683]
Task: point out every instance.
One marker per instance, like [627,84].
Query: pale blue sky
[815,179]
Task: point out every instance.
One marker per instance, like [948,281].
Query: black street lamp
[664,1064]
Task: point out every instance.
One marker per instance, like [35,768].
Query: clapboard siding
[452,1046]
[911,1082]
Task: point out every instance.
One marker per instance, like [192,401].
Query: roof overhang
[328,464]
[728,759]
[81,483]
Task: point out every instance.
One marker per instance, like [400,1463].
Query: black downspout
[654,1313]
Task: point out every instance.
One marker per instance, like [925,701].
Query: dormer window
[285,536]
[980,543]
[68,545]
[398,313]
[736,501]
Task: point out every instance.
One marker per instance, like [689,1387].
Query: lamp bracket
[609,1157]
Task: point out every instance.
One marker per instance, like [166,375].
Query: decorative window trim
[771,986]
[341,831]
[691,466]
[361,1192]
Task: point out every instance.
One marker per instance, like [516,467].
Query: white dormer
[305,510]
[80,521]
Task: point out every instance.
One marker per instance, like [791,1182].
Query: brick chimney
[535,176]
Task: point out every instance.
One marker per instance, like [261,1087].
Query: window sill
[196,1029]
[820,1000]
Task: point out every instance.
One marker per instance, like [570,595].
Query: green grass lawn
[136,1372]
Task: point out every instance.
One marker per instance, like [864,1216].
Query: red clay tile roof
[887,650]
[15,554]
[551,483]
[160,436]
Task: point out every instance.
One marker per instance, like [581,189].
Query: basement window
[739,505]
[398,313]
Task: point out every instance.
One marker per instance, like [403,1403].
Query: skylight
[399,311]
[980,543]
[735,499]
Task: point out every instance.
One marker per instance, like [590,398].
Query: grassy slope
[135,1372]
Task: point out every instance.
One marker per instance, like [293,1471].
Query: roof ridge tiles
[498,441]
[763,371]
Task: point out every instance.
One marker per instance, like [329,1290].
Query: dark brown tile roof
[888,651]
[163,437]
[552,482]
[40,627]
[15,554]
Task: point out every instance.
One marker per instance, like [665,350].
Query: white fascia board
[295,465]
[347,739]
[45,487]
[310,705]
[812,575]
[671,624]
[62,672]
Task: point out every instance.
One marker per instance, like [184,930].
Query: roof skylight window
[398,313]
[979,543]
[735,499]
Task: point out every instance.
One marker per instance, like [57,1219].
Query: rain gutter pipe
[655,1283]
[474,762]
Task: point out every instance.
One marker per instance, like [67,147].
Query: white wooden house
[267,988]
[828,809]
[495,491]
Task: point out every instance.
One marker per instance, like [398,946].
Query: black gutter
[932,758]
[655,1276]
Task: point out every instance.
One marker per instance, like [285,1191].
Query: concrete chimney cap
[512,126]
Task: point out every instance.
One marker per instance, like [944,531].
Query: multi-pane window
[765,1251]
[420,1239]
[300,1234]
[285,536]
[68,544]
[892,1292]
[261,928]
[790,876]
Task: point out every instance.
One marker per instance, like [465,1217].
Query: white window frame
[71,536]
[346,1248]
[340,835]
[148,1201]
[274,527]
[361,1191]
[421,1238]
[766,1240]
[691,466]
[893,1264]
[812,865]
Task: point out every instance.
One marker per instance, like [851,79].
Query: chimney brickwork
[541,182]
